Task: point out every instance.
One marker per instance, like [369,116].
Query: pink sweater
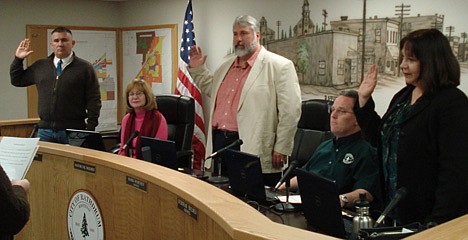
[139,117]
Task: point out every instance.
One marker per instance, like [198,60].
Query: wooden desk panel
[17,128]
[130,213]
[457,229]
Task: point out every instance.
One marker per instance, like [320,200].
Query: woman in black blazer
[422,139]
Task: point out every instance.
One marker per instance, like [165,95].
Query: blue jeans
[49,135]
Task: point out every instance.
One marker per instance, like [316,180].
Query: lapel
[421,104]
[254,73]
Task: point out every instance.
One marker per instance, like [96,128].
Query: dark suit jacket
[432,156]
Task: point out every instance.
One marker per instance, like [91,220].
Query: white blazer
[269,106]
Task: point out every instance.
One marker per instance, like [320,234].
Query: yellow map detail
[151,68]
[106,83]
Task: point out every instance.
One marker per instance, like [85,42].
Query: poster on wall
[148,54]
[99,48]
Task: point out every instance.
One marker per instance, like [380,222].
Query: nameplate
[38,157]
[187,208]
[136,183]
[85,167]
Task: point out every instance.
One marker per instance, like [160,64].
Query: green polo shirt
[350,161]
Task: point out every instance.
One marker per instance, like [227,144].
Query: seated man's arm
[292,186]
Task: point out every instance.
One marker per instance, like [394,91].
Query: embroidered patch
[348,158]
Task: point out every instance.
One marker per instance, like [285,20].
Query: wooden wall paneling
[39,43]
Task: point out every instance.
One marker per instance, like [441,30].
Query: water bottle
[362,219]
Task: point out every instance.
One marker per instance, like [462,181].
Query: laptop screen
[161,152]
[86,139]
[245,175]
[320,203]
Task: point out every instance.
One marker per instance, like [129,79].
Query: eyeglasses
[338,111]
[138,94]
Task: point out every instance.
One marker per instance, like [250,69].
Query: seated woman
[142,116]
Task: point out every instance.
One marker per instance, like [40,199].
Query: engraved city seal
[84,217]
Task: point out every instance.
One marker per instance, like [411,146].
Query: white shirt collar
[65,61]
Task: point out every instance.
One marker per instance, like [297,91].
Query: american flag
[186,86]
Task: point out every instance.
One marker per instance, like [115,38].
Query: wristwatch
[344,199]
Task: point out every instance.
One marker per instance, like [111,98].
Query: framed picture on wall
[150,53]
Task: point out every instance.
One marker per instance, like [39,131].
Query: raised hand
[196,57]
[23,49]
[367,85]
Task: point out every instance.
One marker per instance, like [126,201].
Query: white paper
[16,155]
[294,199]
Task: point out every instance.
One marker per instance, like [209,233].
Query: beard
[241,52]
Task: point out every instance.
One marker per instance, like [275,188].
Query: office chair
[312,129]
[179,112]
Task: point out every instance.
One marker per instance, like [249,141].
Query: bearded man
[255,96]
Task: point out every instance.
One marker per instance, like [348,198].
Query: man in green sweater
[347,159]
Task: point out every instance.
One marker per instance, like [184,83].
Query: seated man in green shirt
[347,158]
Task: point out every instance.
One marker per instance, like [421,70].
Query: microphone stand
[130,149]
[202,170]
[221,179]
[34,130]
[286,206]
[218,179]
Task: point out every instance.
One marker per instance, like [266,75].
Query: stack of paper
[16,155]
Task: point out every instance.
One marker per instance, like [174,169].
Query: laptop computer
[321,204]
[245,177]
[86,139]
[161,152]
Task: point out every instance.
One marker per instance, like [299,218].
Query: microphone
[287,174]
[130,139]
[218,179]
[399,195]
[34,130]
[238,142]
[207,164]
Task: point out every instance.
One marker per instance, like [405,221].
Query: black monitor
[245,175]
[161,152]
[86,139]
[321,204]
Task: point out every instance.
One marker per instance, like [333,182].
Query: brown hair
[439,67]
[142,86]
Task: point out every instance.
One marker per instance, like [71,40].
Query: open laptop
[321,204]
[161,152]
[245,176]
[86,139]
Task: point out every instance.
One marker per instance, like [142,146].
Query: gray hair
[247,21]
[349,93]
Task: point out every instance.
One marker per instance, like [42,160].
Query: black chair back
[312,129]
[179,112]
